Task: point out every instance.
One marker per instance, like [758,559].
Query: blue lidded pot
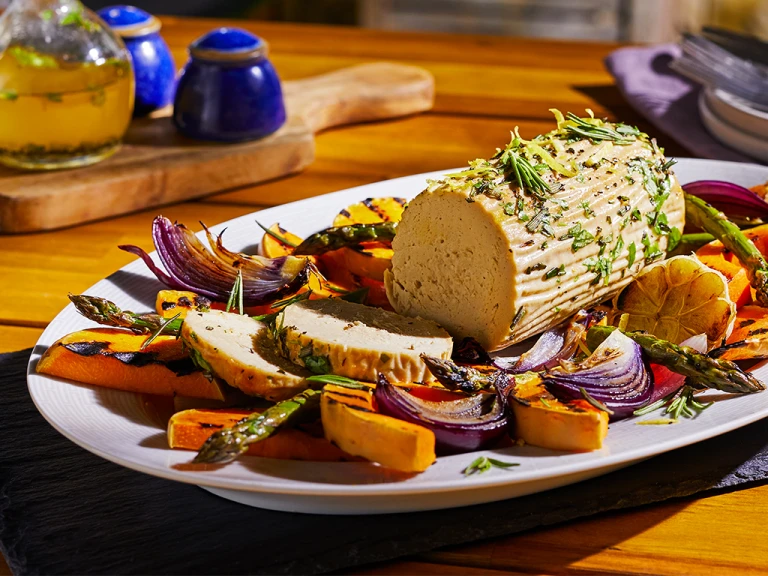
[229,90]
[153,65]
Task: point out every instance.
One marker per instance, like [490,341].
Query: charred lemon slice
[676,299]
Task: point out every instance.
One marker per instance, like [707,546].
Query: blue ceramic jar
[228,90]
[153,64]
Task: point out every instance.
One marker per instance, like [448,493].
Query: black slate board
[66,511]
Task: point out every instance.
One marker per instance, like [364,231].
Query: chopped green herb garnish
[535,267]
[483,464]
[588,212]
[651,249]
[54,96]
[8,94]
[518,316]
[632,253]
[601,267]
[674,238]
[636,216]
[581,237]
[317,364]
[556,271]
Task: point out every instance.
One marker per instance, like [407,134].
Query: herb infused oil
[66,102]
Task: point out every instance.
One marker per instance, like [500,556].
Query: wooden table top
[485,87]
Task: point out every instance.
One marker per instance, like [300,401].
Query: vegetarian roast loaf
[516,244]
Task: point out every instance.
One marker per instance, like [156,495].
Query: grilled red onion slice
[190,266]
[556,344]
[730,198]
[464,425]
[615,375]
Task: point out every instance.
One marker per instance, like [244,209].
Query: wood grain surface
[157,165]
[484,87]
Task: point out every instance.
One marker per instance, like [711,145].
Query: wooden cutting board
[157,165]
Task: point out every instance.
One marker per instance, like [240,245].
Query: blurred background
[598,20]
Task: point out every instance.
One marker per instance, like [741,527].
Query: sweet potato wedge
[172,302]
[349,423]
[749,339]
[113,358]
[189,429]
[738,283]
[541,420]
[272,247]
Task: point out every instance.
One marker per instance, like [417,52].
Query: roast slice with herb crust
[333,336]
[241,351]
[518,243]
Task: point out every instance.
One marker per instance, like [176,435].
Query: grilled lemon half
[678,298]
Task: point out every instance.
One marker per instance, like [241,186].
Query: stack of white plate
[735,122]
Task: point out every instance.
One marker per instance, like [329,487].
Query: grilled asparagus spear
[711,220]
[105,312]
[226,445]
[342,236]
[690,243]
[455,377]
[700,368]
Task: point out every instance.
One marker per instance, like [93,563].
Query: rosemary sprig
[483,464]
[596,403]
[279,305]
[236,296]
[678,403]
[159,331]
[523,173]
[276,236]
[338,381]
[583,129]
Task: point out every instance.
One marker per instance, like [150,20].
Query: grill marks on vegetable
[181,367]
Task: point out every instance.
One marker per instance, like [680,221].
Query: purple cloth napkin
[667,99]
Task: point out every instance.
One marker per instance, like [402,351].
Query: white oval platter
[116,426]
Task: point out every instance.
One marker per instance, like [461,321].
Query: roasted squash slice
[350,423]
[371,211]
[169,303]
[272,247]
[191,428]
[717,257]
[541,420]
[113,358]
[749,339]
[372,259]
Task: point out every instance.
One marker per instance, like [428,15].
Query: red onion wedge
[556,344]
[464,425]
[190,266]
[615,375]
[732,199]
